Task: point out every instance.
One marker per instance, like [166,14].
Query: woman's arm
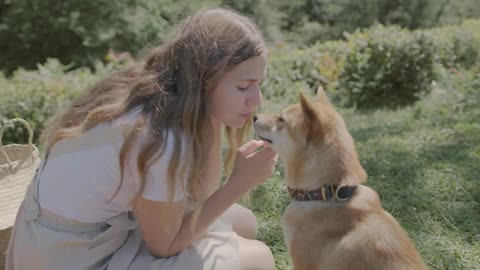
[168,233]
[167,230]
[159,223]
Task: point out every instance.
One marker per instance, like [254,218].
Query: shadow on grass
[431,188]
[435,192]
[460,207]
[371,132]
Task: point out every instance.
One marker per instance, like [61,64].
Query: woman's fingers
[250,147]
[253,164]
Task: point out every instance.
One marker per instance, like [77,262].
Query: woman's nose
[256,98]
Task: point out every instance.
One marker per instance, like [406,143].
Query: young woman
[131,178]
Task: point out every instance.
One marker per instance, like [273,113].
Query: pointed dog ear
[320,93]
[307,108]
[312,119]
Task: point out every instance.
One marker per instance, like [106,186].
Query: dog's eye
[281,120]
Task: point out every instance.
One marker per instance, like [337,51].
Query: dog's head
[313,143]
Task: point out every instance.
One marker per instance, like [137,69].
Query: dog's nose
[255,118]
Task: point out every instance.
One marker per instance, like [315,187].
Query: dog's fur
[316,149]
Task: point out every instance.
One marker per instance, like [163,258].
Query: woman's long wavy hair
[172,84]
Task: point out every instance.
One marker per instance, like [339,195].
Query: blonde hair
[171,84]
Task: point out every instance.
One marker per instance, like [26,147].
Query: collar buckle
[324,193]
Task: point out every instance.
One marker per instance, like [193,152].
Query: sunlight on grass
[424,161]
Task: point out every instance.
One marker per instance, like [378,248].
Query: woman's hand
[253,165]
[171,232]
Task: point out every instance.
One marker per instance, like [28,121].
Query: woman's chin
[236,124]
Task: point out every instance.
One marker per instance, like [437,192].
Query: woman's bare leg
[255,255]
[243,220]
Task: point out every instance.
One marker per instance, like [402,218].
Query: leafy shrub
[327,19]
[388,67]
[377,67]
[382,66]
[457,46]
[292,70]
[81,32]
[36,95]
[261,12]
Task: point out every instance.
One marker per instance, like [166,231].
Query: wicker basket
[18,164]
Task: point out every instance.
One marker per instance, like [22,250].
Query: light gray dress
[45,241]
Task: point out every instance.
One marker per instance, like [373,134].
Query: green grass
[424,161]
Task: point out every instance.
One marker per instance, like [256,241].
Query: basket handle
[30,135]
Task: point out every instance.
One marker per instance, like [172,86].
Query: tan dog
[334,222]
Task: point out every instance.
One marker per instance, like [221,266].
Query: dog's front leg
[300,257]
[304,265]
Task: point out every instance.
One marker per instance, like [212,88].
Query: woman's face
[237,94]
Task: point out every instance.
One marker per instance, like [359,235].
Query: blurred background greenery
[404,73]
[80,32]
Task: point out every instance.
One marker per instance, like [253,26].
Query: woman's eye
[242,88]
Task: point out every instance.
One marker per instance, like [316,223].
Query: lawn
[424,161]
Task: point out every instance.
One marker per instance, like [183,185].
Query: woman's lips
[246,115]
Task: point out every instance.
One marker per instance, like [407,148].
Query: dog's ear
[307,108]
[320,90]
[320,95]
[312,118]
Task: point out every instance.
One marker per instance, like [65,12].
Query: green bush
[288,73]
[261,12]
[36,95]
[392,67]
[291,70]
[457,46]
[321,20]
[377,67]
[81,32]
[387,66]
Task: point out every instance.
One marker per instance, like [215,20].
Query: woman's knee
[255,255]
[243,220]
